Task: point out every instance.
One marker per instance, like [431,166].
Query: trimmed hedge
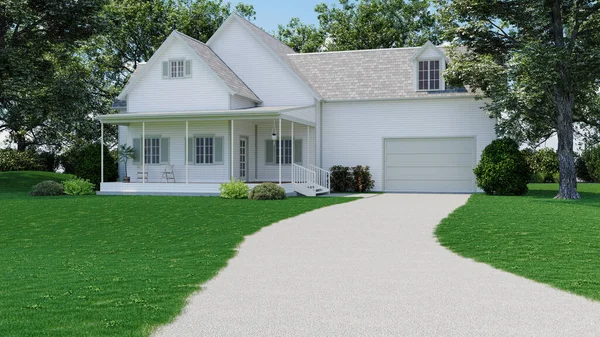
[267,191]
[351,179]
[503,169]
[47,188]
[13,160]
[84,162]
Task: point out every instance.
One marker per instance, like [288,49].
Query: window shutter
[164,150]
[165,72]
[218,149]
[137,153]
[188,68]
[191,150]
[298,151]
[269,152]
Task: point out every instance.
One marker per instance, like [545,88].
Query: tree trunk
[566,163]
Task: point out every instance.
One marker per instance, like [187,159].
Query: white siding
[353,133]
[203,91]
[306,114]
[268,77]
[238,102]
[176,134]
[430,53]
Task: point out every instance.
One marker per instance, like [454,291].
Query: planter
[126,179]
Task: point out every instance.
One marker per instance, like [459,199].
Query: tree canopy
[536,63]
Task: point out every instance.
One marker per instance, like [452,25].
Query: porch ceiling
[258,113]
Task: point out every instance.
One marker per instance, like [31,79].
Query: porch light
[273,132]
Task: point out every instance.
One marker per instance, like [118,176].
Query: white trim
[280,150]
[187,153]
[101,152]
[232,149]
[143,150]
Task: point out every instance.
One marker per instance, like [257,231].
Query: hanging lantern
[273,132]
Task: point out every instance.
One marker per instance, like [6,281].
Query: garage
[429,164]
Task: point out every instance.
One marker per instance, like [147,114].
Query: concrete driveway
[373,268]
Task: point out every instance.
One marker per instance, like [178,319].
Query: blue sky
[270,13]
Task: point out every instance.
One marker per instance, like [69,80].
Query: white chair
[168,173]
[141,174]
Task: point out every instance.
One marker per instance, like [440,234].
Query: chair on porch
[168,173]
[141,174]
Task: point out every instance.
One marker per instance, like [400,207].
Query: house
[245,105]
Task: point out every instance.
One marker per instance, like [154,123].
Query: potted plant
[126,152]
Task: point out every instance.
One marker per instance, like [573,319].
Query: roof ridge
[264,32]
[357,51]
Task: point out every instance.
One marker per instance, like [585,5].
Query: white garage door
[429,164]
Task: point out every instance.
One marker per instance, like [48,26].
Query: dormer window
[175,69]
[429,75]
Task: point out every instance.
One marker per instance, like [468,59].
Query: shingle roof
[364,74]
[220,68]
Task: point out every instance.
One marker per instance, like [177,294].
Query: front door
[243,158]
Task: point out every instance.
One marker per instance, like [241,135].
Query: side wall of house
[306,114]
[270,80]
[203,91]
[353,132]
[238,102]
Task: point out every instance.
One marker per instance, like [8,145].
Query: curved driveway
[373,268]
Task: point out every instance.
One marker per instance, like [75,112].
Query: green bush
[362,179]
[267,191]
[543,165]
[78,186]
[234,189]
[49,161]
[13,160]
[47,188]
[83,160]
[591,158]
[581,170]
[503,169]
[341,179]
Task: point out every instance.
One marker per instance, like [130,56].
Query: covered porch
[192,153]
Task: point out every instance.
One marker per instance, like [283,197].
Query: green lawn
[551,241]
[115,266]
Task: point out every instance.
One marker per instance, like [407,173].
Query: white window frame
[201,155]
[429,80]
[177,68]
[152,150]
[286,151]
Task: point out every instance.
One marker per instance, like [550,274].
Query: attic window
[175,69]
[429,75]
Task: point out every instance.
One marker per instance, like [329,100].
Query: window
[205,150]
[152,150]
[176,69]
[429,75]
[286,151]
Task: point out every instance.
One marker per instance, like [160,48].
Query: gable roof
[365,74]
[214,62]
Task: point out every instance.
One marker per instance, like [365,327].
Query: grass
[556,242]
[115,266]
[21,182]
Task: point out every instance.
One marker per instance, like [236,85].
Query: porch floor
[172,189]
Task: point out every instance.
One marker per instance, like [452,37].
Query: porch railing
[302,175]
[323,177]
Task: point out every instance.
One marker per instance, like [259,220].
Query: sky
[270,13]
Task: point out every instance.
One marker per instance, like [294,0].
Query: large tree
[364,24]
[537,62]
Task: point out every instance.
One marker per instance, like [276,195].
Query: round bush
[591,158]
[47,188]
[234,189]
[78,186]
[503,169]
[267,191]
[581,170]
[83,160]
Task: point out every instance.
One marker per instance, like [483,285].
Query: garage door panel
[430,173]
[429,164]
[447,186]
[439,160]
[427,145]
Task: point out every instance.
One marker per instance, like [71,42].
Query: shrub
[267,191]
[13,160]
[503,169]
[47,188]
[83,160]
[591,158]
[78,186]
[362,179]
[543,165]
[234,189]
[341,179]
[581,170]
[49,161]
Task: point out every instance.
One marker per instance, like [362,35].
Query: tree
[301,37]
[37,38]
[373,24]
[537,64]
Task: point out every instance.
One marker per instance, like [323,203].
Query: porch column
[101,152]
[143,152]
[280,157]
[292,152]
[231,153]
[187,151]
[308,145]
